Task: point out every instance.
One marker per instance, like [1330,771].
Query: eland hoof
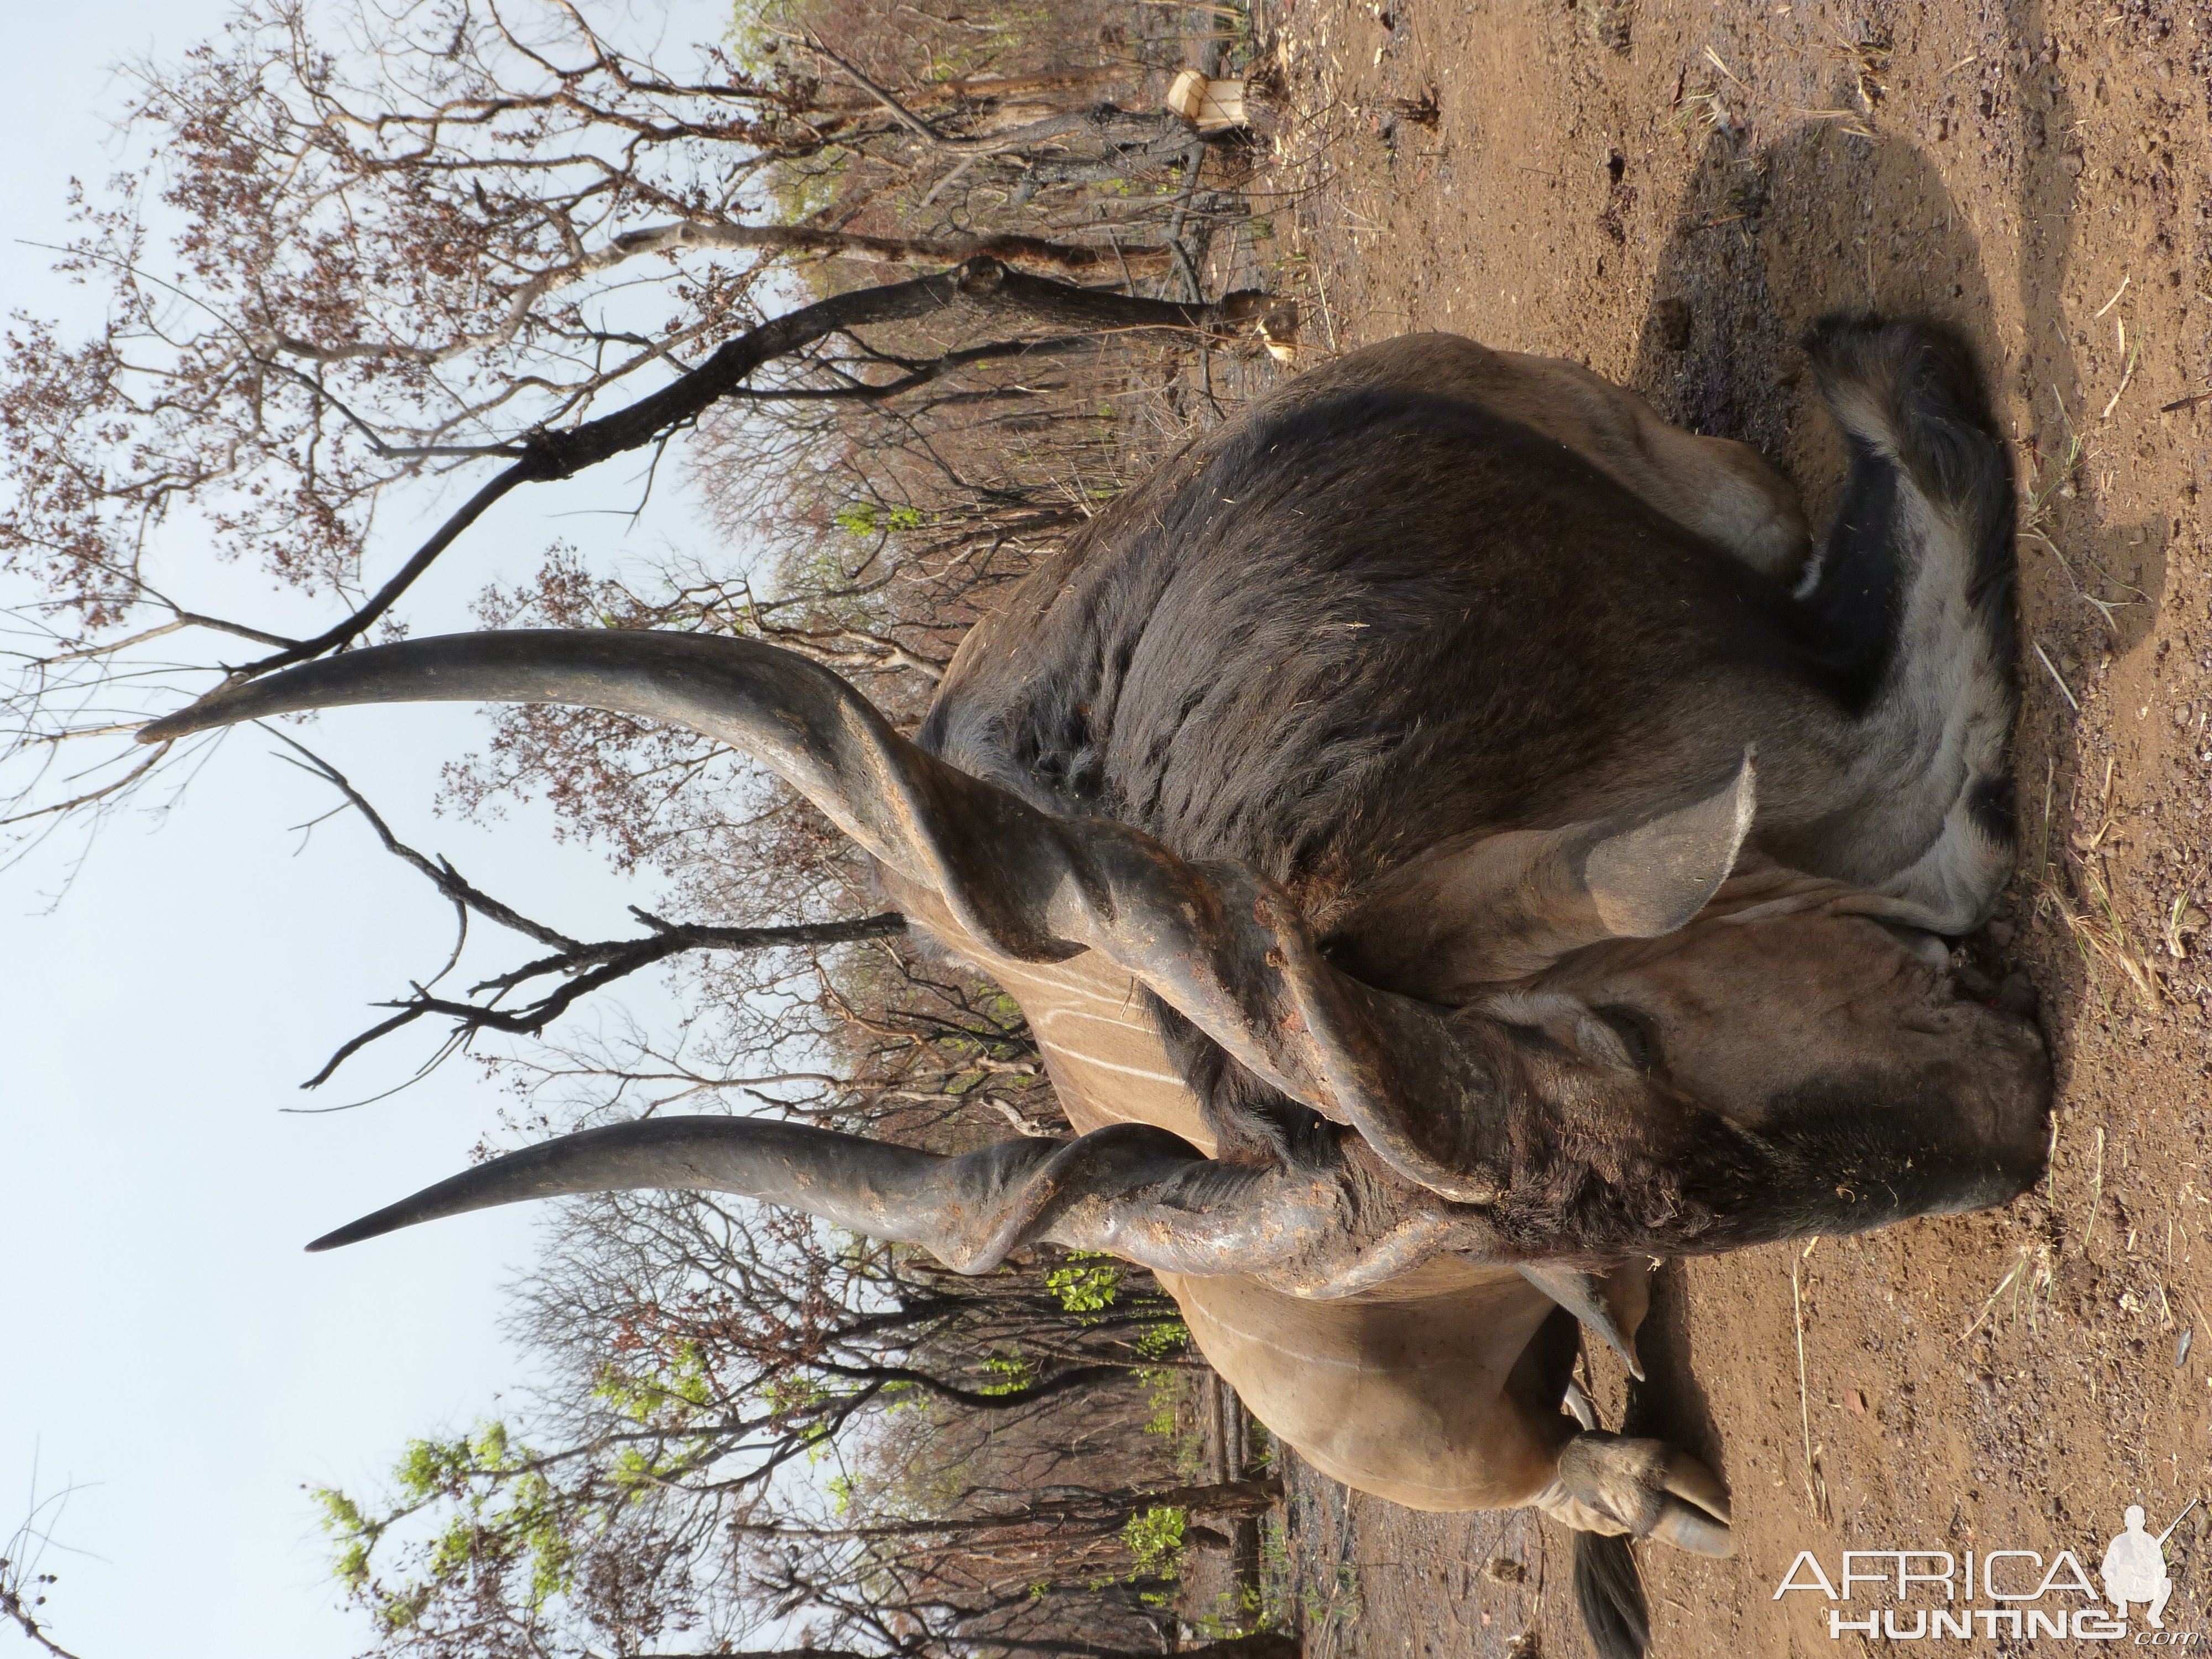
[1646,1488]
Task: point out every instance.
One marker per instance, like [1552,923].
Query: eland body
[1454,838]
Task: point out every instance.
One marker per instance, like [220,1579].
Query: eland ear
[1652,878]
[1470,915]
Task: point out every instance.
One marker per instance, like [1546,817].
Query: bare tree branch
[585,968]
[981,282]
[22,1585]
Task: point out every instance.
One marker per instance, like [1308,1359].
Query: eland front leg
[1449,1390]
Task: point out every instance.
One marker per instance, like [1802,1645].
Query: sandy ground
[1670,192]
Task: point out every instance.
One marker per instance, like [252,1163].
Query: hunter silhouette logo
[2135,1567]
[1923,1595]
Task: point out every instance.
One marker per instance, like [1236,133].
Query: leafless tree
[389,253]
[24,1578]
[376,259]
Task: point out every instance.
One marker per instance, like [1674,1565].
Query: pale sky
[168,1347]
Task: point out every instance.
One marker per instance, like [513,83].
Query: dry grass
[1816,1489]
[2056,477]
[2089,914]
[2025,1290]
[2183,917]
[2101,937]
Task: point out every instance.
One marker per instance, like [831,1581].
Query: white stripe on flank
[1144,1033]
[1087,990]
[1363,1365]
[1098,1110]
[1078,1057]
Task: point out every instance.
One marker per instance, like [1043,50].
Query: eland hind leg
[1716,488]
[1910,607]
[1724,490]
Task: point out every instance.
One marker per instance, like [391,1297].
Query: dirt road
[1670,192]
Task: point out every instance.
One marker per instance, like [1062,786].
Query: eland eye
[1635,1031]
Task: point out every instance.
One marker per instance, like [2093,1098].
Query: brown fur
[1431,616]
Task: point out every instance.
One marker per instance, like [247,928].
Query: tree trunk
[1249,1497]
[1033,252]
[1261,1644]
